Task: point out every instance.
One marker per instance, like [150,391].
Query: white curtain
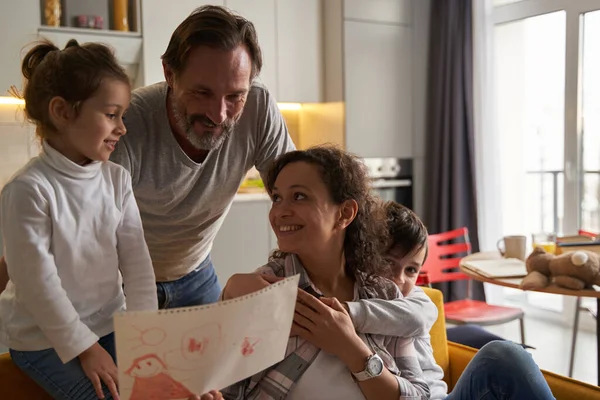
[487,144]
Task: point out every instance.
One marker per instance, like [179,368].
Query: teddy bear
[575,270]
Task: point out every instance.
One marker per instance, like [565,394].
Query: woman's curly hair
[346,178]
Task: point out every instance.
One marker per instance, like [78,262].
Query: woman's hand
[325,323]
[99,367]
[242,284]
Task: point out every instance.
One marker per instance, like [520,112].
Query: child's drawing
[248,345]
[149,337]
[152,382]
[197,342]
[166,355]
[198,347]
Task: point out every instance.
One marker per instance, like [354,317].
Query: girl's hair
[346,179]
[74,73]
[216,27]
[407,232]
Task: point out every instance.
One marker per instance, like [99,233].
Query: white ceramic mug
[514,247]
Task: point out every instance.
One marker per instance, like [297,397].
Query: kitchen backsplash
[312,124]
[17,141]
[316,123]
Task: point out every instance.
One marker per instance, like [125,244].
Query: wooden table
[514,283]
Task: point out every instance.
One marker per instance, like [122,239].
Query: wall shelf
[87,31]
[127,45]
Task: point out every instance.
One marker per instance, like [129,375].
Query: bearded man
[190,142]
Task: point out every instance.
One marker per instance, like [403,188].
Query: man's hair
[216,27]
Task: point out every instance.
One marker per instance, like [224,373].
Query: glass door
[529,74]
[590,137]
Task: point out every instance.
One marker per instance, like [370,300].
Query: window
[590,207]
[503,2]
[546,92]
[529,70]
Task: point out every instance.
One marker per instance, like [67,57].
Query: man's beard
[207,140]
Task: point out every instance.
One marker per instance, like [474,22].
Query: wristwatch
[373,368]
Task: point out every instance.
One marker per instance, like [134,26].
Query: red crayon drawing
[150,337]
[152,381]
[198,346]
[248,346]
[201,341]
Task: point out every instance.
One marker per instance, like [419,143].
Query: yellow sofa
[452,357]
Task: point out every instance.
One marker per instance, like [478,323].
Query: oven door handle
[391,183]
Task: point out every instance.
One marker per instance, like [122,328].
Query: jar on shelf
[120,17]
[52,11]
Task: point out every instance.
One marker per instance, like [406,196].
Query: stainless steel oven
[392,179]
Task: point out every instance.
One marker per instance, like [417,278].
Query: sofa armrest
[565,388]
[460,356]
[562,387]
[15,385]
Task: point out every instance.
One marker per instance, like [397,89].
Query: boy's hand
[99,367]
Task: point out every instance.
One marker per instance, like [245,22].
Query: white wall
[420,12]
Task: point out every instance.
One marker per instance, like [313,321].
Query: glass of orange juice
[546,241]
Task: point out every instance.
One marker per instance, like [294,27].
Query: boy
[414,315]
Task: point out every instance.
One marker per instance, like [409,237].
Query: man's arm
[274,139]
[410,316]
[134,259]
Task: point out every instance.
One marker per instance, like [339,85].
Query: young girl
[331,232]
[71,227]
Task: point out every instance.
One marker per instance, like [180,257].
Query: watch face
[375,366]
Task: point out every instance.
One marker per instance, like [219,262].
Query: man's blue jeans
[199,287]
[501,370]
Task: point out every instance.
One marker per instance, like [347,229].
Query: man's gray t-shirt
[183,203]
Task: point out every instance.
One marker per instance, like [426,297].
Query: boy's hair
[74,73]
[216,27]
[407,231]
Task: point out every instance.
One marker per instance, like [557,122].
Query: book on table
[498,268]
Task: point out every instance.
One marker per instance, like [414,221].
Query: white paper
[171,354]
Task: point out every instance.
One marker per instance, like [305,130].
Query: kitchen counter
[260,196]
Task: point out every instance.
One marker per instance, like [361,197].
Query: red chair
[442,265]
[423,279]
[589,234]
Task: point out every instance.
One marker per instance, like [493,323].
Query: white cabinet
[19,22]
[390,11]
[289,33]
[159,20]
[245,239]
[378,89]
[299,51]
[262,14]
[369,66]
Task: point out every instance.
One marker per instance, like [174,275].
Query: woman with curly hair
[332,232]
